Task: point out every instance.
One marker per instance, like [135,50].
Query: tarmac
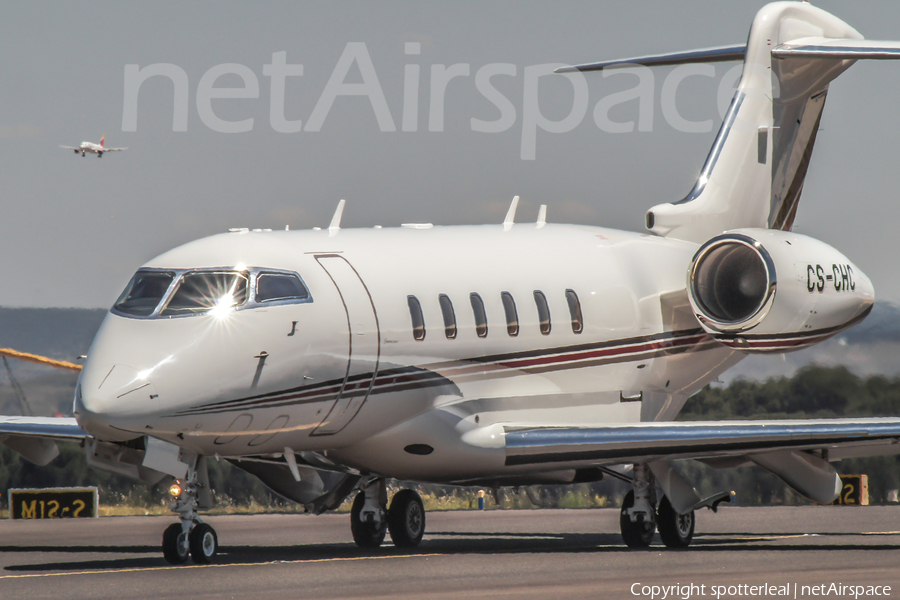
[795,552]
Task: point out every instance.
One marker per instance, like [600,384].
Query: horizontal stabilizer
[703,55]
[819,47]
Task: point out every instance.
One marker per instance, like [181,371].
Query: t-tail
[755,170]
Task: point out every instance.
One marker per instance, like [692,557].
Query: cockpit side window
[204,291]
[144,292]
[280,286]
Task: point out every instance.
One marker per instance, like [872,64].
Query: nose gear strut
[191,536]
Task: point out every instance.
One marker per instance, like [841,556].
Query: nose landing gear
[191,537]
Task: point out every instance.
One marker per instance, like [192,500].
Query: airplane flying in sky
[327,361]
[98,149]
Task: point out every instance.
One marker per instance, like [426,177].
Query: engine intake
[732,282]
[767,290]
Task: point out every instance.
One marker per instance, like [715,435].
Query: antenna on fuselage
[542,216]
[336,219]
[511,214]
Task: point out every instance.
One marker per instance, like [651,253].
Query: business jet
[330,360]
[98,149]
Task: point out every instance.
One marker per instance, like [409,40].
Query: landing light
[175,490]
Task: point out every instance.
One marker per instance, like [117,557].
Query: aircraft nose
[109,401]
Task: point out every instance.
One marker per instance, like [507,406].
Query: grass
[460,499]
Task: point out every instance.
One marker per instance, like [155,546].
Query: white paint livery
[511,354]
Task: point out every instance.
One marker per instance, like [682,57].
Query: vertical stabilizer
[755,170]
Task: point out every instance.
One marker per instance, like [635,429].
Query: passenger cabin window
[144,293]
[418,321]
[279,286]
[481,327]
[449,316]
[575,311]
[203,291]
[512,316]
[543,311]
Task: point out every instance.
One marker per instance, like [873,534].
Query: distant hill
[60,333]
[870,348]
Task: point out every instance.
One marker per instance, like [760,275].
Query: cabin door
[364,343]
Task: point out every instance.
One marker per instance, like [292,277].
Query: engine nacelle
[766,290]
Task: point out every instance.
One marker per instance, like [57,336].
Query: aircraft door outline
[364,343]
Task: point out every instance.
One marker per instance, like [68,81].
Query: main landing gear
[638,519]
[191,536]
[370,519]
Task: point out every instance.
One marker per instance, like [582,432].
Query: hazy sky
[73,230]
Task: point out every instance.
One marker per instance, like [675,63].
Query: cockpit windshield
[157,293]
[205,291]
[144,292]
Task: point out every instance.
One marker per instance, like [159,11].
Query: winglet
[336,219]
[511,214]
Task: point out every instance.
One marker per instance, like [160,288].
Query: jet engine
[767,290]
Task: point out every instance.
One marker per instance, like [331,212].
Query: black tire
[635,535]
[204,544]
[676,531]
[175,552]
[366,535]
[406,519]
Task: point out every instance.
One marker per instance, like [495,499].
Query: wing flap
[35,437]
[54,428]
[585,445]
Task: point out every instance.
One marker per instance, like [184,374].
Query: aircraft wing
[35,437]
[576,446]
[70,147]
[114,149]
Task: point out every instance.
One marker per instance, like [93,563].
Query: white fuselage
[91,147]
[345,376]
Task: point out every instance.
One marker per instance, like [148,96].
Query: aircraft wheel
[635,535]
[406,519]
[676,531]
[204,544]
[99,155]
[175,550]
[366,535]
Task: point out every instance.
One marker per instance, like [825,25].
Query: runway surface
[504,554]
